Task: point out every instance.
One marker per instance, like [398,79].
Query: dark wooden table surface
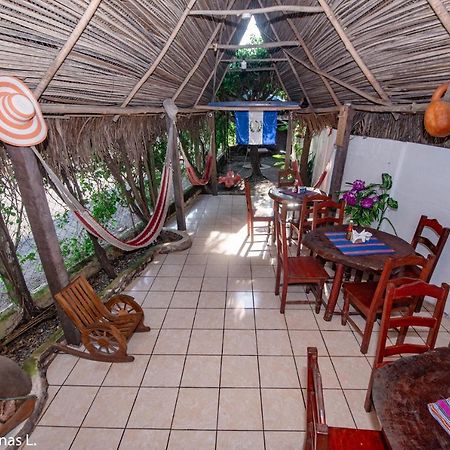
[322,246]
[279,196]
[401,392]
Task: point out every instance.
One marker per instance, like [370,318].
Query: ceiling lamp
[243,64]
[246,15]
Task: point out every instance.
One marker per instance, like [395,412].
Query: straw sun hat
[21,121]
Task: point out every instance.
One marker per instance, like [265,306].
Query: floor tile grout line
[259,367]
[145,371]
[184,361]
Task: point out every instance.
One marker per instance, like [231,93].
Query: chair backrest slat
[281,235]
[327,213]
[248,197]
[81,303]
[433,248]
[409,289]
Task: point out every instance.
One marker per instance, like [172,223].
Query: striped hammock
[194,179]
[148,234]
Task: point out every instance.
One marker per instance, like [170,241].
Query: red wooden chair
[305,214]
[420,241]
[368,297]
[327,213]
[295,269]
[407,289]
[254,215]
[319,436]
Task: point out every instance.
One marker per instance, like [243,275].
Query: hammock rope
[194,179]
[146,236]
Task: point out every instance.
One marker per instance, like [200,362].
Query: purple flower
[375,198]
[350,198]
[358,185]
[367,202]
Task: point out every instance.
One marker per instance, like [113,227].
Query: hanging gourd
[437,114]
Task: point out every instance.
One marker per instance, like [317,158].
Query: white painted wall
[421,183]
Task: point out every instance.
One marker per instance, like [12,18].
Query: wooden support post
[29,180]
[172,146]
[290,132]
[342,140]
[305,157]
[212,128]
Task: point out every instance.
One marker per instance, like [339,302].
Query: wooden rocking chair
[104,327]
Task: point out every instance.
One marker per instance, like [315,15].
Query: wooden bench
[104,327]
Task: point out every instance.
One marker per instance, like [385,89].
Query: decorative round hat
[21,121]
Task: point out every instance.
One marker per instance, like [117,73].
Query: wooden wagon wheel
[122,308]
[105,343]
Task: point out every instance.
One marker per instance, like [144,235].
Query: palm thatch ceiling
[382,53]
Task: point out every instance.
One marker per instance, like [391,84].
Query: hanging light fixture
[246,15]
[243,64]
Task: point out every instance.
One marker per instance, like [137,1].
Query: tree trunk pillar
[289,139]
[345,123]
[212,129]
[305,157]
[32,190]
[172,140]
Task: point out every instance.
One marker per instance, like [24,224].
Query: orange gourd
[437,114]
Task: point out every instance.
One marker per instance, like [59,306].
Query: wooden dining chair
[295,269]
[254,215]
[368,296]
[305,217]
[407,290]
[320,436]
[327,213]
[425,244]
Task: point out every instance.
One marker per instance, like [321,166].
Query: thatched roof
[372,52]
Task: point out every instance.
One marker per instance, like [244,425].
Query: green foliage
[368,204]
[248,85]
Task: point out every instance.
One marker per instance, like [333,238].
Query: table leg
[334,294]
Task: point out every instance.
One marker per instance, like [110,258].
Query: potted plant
[367,204]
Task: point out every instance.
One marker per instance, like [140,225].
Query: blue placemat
[373,247]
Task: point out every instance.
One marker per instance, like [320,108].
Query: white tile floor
[221,368]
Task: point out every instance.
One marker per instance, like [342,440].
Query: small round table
[280,195]
[323,247]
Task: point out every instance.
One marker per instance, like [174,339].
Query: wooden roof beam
[441,12]
[311,59]
[250,12]
[352,50]
[278,44]
[67,48]
[340,82]
[200,58]
[161,55]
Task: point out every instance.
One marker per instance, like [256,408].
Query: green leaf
[392,203]
[386,181]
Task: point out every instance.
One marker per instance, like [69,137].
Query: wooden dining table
[287,196]
[401,391]
[320,245]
